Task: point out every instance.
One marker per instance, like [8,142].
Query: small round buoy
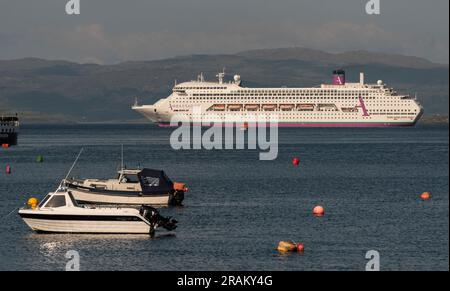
[32,202]
[319,211]
[296,161]
[5,145]
[425,195]
[300,247]
[286,246]
[8,169]
[40,159]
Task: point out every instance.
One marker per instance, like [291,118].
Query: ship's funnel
[338,77]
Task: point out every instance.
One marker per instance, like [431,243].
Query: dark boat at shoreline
[9,129]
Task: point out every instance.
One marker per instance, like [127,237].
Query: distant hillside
[347,58]
[61,90]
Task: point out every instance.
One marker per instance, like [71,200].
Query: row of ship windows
[316,113]
[379,103]
[296,92]
[395,113]
[7,130]
[290,98]
[284,98]
[392,110]
[401,104]
[324,113]
[200,88]
[289,95]
[328,117]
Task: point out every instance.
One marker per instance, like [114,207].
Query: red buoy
[8,169]
[318,211]
[425,195]
[5,145]
[296,161]
[300,248]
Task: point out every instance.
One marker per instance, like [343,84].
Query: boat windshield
[129,179]
[44,201]
[56,201]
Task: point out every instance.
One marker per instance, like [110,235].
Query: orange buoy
[296,161]
[300,247]
[319,211]
[425,195]
[5,145]
[8,169]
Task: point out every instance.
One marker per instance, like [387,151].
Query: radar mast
[221,76]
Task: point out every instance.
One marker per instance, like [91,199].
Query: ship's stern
[420,112]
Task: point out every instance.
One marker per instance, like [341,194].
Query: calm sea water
[238,208]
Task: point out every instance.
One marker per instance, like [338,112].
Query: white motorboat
[131,187]
[59,213]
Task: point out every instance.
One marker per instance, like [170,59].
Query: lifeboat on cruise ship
[327,107]
[287,107]
[269,107]
[305,107]
[252,107]
[349,109]
[235,107]
[218,107]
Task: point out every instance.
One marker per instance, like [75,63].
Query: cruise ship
[339,104]
[9,129]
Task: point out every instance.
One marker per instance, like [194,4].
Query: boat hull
[92,197]
[85,224]
[8,138]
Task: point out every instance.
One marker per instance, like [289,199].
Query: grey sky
[109,31]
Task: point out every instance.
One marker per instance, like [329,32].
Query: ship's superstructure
[338,104]
[9,129]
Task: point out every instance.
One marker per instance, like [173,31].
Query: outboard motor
[177,194]
[157,220]
[177,198]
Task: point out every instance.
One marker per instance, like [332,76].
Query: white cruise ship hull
[292,120]
[356,124]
